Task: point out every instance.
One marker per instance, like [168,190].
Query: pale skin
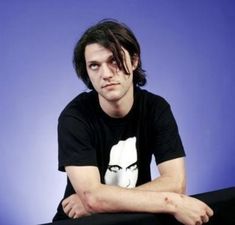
[115,92]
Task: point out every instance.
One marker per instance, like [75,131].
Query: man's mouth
[110,85]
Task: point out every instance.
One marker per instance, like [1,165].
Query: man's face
[122,168]
[111,83]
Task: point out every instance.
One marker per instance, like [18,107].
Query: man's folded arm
[98,198]
[172,177]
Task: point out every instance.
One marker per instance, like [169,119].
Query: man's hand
[190,211]
[73,207]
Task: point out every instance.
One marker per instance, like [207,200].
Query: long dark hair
[112,35]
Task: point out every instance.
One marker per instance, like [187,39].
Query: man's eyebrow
[92,61]
[110,166]
[110,57]
[133,164]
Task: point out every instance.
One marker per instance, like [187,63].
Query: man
[108,136]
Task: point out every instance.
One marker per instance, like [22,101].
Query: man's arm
[97,198]
[172,177]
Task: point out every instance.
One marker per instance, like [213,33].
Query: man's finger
[75,216]
[209,212]
[67,209]
[71,213]
[65,202]
[205,218]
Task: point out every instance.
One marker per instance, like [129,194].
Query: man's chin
[112,96]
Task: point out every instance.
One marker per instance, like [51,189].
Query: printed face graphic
[122,169]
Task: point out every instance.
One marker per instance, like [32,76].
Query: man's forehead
[94,52]
[124,152]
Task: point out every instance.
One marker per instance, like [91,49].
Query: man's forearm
[172,177]
[185,209]
[161,184]
[108,198]
[164,184]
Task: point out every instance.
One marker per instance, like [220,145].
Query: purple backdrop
[188,50]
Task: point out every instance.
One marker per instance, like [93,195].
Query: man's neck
[120,108]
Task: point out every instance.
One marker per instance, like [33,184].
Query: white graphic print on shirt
[122,169]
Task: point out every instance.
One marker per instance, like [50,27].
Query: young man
[107,136]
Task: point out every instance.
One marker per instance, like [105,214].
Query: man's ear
[135,61]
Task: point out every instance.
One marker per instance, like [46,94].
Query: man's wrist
[170,202]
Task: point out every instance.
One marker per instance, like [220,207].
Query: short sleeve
[75,143]
[166,143]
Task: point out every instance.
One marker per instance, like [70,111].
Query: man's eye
[93,66]
[132,167]
[114,168]
[114,62]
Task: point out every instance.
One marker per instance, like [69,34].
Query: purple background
[188,50]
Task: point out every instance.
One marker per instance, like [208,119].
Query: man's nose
[106,71]
[124,179]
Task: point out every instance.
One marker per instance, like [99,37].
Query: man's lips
[110,85]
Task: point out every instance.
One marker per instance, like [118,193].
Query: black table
[221,201]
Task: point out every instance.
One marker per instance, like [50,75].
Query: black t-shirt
[121,148]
